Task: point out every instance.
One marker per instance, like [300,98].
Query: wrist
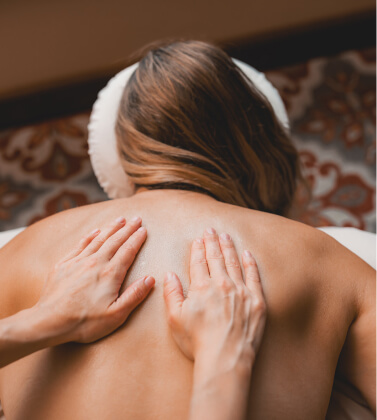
[50,328]
[24,333]
[212,364]
[220,384]
[233,357]
[21,335]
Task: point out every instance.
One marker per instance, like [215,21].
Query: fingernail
[225,237]
[149,281]
[136,219]
[170,276]
[95,232]
[141,229]
[210,231]
[247,255]
[120,220]
[199,240]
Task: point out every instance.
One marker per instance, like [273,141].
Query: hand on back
[82,292]
[83,296]
[224,309]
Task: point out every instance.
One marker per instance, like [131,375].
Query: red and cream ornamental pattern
[331,104]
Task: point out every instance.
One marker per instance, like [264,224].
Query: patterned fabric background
[331,103]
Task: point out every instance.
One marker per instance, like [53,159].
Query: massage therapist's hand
[81,294]
[220,325]
[81,299]
[221,307]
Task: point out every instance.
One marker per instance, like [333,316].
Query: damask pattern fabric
[331,104]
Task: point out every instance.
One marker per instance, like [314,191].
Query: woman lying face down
[190,119]
[208,151]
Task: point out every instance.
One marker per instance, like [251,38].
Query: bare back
[138,372]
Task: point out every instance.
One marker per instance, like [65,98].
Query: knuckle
[242,294]
[255,279]
[168,292]
[198,261]
[114,240]
[172,319]
[259,306]
[227,244]
[127,259]
[215,255]
[109,271]
[83,243]
[91,261]
[99,241]
[232,262]
[226,285]
[129,248]
[138,292]
[251,263]
[211,239]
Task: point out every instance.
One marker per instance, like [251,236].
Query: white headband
[102,140]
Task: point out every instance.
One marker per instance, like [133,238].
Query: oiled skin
[138,372]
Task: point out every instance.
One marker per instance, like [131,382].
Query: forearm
[220,387]
[24,333]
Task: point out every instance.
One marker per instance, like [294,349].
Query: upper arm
[357,363]
[355,282]
[18,273]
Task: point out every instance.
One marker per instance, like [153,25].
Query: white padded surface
[358,241]
[8,235]
[102,140]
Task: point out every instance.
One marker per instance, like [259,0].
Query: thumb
[173,295]
[133,295]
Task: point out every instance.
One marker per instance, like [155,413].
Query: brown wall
[45,43]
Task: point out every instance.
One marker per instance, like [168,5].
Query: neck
[157,194]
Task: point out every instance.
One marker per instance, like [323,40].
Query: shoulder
[20,261]
[304,263]
[50,236]
[25,260]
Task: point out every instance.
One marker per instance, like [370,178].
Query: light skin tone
[80,300]
[219,325]
[321,316]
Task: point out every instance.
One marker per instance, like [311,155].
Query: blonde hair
[190,119]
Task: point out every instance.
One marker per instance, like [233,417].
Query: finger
[232,263]
[84,242]
[252,278]
[103,236]
[132,296]
[126,254]
[214,256]
[115,241]
[173,295]
[198,262]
